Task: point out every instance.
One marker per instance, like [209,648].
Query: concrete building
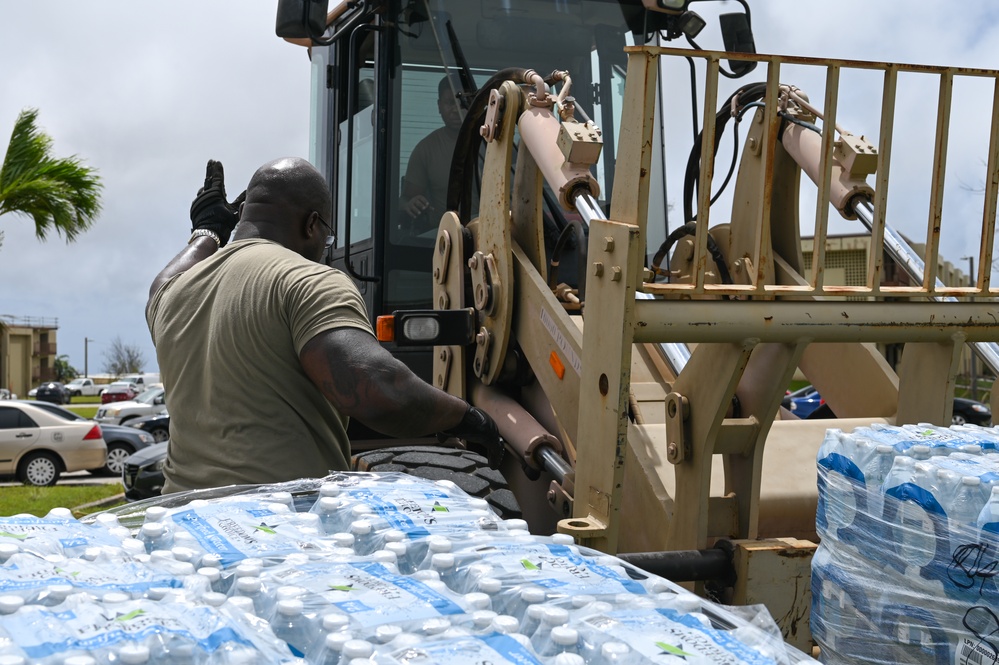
[28,352]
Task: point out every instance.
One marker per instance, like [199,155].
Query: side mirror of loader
[301,19]
[738,37]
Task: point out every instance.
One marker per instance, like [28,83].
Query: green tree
[58,193]
[123,358]
[63,370]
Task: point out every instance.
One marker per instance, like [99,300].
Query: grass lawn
[40,500]
[85,411]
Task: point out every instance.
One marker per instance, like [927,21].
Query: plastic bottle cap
[290,607]
[516,524]
[133,547]
[115,597]
[12,659]
[439,544]
[688,603]
[283,497]
[155,513]
[477,601]
[213,574]
[426,575]
[248,570]
[506,624]
[536,612]
[248,584]
[483,618]
[971,481]
[387,633]
[555,616]
[394,536]
[8,550]
[327,490]
[10,604]
[278,508]
[289,592]
[307,519]
[614,649]
[183,553]
[385,556]
[335,641]
[241,603]
[343,540]
[152,530]
[328,504]
[361,509]
[133,654]
[564,636]
[442,561]
[213,598]
[212,561]
[59,591]
[91,553]
[435,626]
[569,659]
[60,513]
[334,622]
[157,592]
[357,649]
[489,585]
[563,539]
[582,600]
[243,656]
[533,595]
[995,491]
[360,527]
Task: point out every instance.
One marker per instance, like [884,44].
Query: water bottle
[54,594]
[7,550]
[550,619]
[10,604]
[365,539]
[402,557]
[356,649]
[434,545]
[875,472]
[80,660]
[561,639]
[482,620]
[252,588]
[615,653]
[527,596]
[387,633]
[444,565]
[331,649]
[291,625]
[532,619]
[988,518]
[155,536]
[328,509]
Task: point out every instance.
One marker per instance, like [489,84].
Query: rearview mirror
[297,19]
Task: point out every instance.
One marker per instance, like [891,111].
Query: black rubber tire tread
[469,471]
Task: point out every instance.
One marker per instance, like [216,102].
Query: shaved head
[290,183]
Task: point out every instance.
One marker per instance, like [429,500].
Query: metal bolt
[443,354]
[551,496]
[598,269]
[608,244]
[473,262]
[672,451]
[616,274]
[437,274]
[480,337]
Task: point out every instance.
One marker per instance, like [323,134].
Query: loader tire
[469,471]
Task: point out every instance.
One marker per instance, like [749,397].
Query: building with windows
[28,352]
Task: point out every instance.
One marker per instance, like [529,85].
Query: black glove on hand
[209,210]
[476,427]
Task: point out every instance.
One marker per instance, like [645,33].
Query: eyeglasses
[331,238]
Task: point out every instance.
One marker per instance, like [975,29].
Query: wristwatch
[208,233]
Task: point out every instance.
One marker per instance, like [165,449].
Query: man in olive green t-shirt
[265,352]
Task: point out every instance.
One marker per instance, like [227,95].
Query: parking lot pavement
[74,478]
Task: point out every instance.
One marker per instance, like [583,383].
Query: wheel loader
[633,338]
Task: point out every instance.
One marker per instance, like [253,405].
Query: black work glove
[209,210]
[477,428]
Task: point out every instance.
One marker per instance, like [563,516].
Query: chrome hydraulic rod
[913,265]
[676,354]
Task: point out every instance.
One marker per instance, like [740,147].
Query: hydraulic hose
[913,265]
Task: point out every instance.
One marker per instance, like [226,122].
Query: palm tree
[58,193]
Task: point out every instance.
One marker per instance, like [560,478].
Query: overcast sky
[147,93]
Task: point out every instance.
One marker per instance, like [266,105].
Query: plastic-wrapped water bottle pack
[354,569]
[907,568]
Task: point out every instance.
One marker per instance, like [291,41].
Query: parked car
[6,394]
[121,441]
[803,401]
[143,472]
[119,391]
[146,404]
[38,447]
[54,392]
[33,392]
[968,411]
[84,387]
[806,401]
[143,382]
[158,425]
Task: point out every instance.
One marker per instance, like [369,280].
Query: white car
[38,446]
[148,403]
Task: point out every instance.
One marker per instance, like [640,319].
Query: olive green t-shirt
[228,333]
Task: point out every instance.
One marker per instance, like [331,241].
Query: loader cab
[375,84]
